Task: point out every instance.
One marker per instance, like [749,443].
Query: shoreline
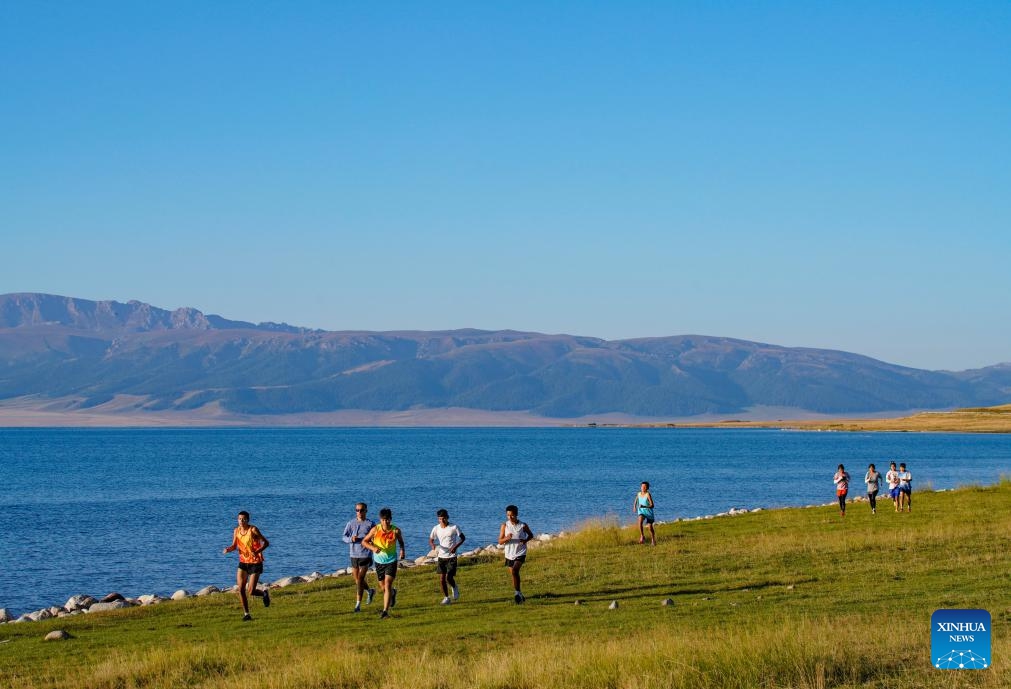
[78,604]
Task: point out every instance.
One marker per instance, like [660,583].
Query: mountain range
[88,353]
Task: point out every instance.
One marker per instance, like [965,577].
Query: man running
[892,477]
[361,558]
[382,540]
[250,544]
[514,535]
[905,489]
[446,538]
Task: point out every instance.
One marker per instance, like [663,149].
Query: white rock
[424,560]
[57,635]
[79,602]
[314,576]
[180,594]
[43,614]
[5,615]
[149,599]
[666,602]
[111,605]
[55,610]
[288,581]
[613,605]
[545,537]
[207,590]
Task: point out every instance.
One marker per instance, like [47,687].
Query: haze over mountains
[81,354]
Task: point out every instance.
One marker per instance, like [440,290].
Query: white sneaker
[446,601]
[456,593]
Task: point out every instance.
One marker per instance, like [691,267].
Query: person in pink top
[842,487]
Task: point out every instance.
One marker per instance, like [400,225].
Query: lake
[148,511]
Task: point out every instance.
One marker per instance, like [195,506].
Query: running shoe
[446,601]
[247,617]
[358,606]
[368,596]
[383,614]
[518,598]
[266,598]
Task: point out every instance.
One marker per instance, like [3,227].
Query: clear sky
[815,174]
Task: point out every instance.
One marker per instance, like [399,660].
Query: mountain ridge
[181,360]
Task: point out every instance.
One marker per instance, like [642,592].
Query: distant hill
[59,347]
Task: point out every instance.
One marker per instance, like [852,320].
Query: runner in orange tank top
[250,543]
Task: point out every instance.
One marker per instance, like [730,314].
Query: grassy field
[781,598]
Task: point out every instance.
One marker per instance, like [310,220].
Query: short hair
[513,508]
[442,513]
[244,513]
[646,483]
[362,505]
[871,466]
[902,466]
[386,513]
[842,467]
[892,464]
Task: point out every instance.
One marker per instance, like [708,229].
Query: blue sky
[808,174]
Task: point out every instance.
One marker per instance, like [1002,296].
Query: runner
[643,506]
[361,558]
[514,535]
[842,487]
[382,540]
[446,538]
[892,477]
[905,489]
[873,480]
[250,544]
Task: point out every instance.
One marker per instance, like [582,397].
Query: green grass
[782,598]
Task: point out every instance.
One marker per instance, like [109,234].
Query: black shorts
[365,562]
[518,561]
[387,570]
[447,566]
[251,567]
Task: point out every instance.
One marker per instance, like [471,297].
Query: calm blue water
[148,511]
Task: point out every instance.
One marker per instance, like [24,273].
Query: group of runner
[900,487]
[373,545]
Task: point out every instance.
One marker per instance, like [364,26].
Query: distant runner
[514,535]
[842,487]
[446,538]
[250,544]
[892,478]
[873,480]
[361,558]
[382,540]
[643,507]
[905,489]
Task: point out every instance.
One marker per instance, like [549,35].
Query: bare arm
[367,541]
[502,540]
[649,496]
[258,536]
[233,546]
[458,543]
[403,548]
[526,532]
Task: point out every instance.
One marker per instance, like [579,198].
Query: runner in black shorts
[250,543]
[361,557]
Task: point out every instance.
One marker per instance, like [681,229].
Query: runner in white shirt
[514,535]
[893,485]
[446,538]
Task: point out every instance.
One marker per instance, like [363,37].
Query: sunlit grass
[779,598]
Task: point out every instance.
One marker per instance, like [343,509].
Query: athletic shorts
[893,493]
[841,493]
[518,561]
[251,567]
[387,570]
[906,489]
[365,562]
[447,566]
[647,514]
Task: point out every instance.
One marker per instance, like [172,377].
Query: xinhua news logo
[960,639]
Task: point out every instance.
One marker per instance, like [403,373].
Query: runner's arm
[502,540]
[528,533]
[367,541]
[403,548]
[233,546]
[348,534]
[458,543]
[258,535]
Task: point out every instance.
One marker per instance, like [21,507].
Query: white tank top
[514,548]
